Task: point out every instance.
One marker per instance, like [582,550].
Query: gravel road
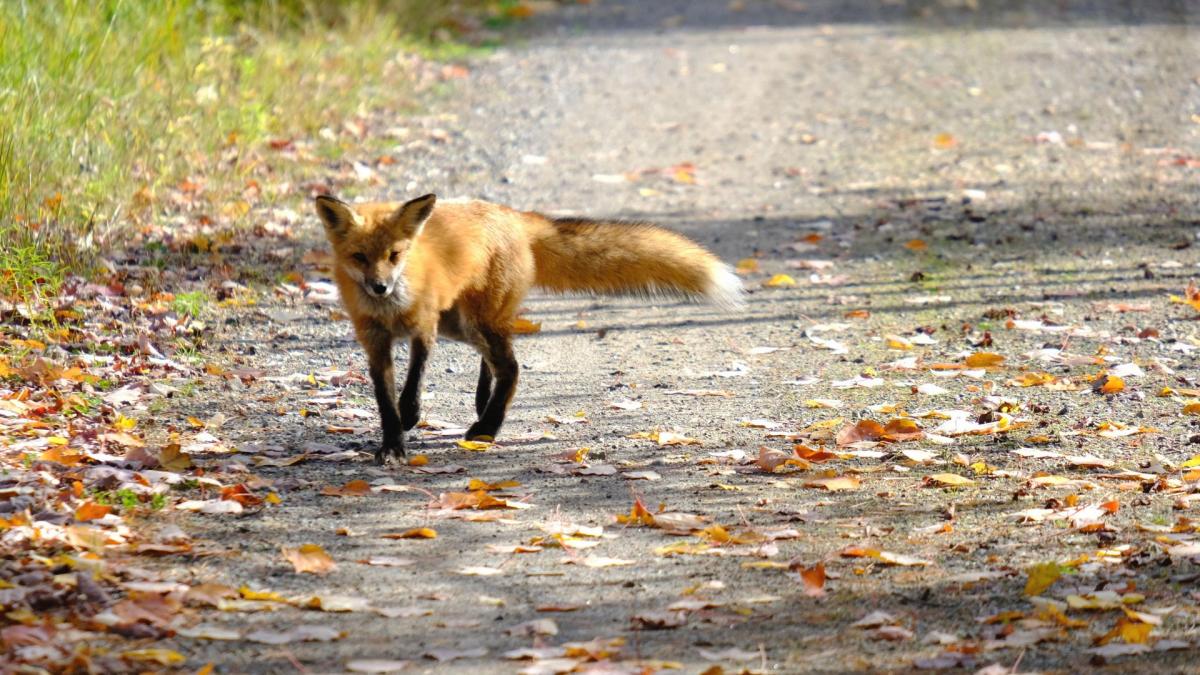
[917,168]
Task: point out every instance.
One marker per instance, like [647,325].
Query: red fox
[460,269]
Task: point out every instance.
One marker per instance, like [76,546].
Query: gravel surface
[962,168]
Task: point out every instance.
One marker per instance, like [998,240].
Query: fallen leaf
[948,480]
[309,558]
[835,484]
[1041,577]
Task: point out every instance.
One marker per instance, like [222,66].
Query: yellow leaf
[948,479]
[173,459]
[273,498]
[1191,409]
[123,423]
[415,533]
[309,558]
[779,281]
[984,360]
[525,326]
[163,657]
[476,484]
[248,593]
[1041,577]
[747,266]
[1194,461]
[474,446]
[944,141]
[1135,633]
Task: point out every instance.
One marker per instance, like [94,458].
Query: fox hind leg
[500,360]
[483,391]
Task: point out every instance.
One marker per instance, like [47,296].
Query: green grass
[114,110]
[27,272]
[192,303]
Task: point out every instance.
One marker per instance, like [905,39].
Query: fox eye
[395,257]
[360,257]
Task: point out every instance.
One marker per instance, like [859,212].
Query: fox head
[371,241]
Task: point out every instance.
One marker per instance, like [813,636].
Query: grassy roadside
[114,109]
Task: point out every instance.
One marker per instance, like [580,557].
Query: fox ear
[413,214]
[337,215]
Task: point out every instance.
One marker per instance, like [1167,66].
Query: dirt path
[1020,183]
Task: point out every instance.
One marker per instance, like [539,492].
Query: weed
[192,303]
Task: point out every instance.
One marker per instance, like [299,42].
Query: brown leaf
[864,430]
[309,558]
[355,488]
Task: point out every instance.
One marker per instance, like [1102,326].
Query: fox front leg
[379,358]
[410,396]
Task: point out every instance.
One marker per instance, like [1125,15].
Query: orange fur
[461,269]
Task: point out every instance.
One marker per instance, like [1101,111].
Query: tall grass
[106,103]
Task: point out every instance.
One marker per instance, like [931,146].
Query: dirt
[962,170]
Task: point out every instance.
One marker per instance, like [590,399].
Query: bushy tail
[618,258]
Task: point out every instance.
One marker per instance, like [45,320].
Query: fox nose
[378,288]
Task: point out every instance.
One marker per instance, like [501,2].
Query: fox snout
[377,287]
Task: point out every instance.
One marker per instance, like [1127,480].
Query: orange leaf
[91,511]
[415,533]
[813,579]
[241,494]
[638,515]
[1108,384]
[835,484]
[916,245]
[355,488]
[865,430]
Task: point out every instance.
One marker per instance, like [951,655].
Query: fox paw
[395,450]
[481,432]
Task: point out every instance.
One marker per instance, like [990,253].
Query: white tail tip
[725,288]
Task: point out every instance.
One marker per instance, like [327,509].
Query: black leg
[484,389]
[379,356]
[410,396]
[503,365]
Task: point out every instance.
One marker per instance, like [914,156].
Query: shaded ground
[962,171]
